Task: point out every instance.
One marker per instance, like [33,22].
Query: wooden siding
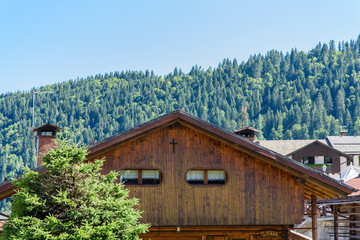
[318,149]
[256,192]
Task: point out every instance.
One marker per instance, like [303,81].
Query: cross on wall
[173,143]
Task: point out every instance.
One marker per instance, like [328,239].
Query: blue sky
[45,42]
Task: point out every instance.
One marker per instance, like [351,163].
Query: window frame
[140,184]
[308,158]
[205,184]
[327,158]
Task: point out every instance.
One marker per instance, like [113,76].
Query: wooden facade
[255,193]
[262,198]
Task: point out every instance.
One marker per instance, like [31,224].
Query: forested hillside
[293,95]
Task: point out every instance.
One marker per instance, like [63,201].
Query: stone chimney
[46,134]
[247,132]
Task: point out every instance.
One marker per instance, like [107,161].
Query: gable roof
[346,144]
[321,144]
[316,183]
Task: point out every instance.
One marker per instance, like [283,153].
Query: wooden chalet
[335,160]
[313,153]
[196,181]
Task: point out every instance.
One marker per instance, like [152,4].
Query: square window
[327,160]
[151,177]
[129,176]
[216,177]
[195,177]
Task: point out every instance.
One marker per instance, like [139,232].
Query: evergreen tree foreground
[72,200]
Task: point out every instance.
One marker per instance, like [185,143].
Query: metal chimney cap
[47,127]
[246,129]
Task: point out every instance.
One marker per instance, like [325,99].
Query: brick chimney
[46,134]
[247,132]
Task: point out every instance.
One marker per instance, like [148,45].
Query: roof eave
[321,144]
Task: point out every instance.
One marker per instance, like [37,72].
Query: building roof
[7,188]
[351,177]
[351,199]
[349,173]
[5,215]
[345,144]
[317,183]
[321,144]
[355,183]
[285,147]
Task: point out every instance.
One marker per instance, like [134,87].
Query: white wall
[319,159]
[356,160]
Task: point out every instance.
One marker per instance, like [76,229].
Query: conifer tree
[71,200]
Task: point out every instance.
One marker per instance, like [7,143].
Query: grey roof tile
[346,144]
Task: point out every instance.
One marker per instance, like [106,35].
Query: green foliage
[72,200]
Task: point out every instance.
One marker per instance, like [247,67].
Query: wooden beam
[341,215]
[346,236]
[307,196]
[191,232]
[336,223]
[310,191]
[322,190]
[348,214]
[350,229]
[348,221]
[316,191]
[350,206]
[218,228]
[314,217]
[184,235]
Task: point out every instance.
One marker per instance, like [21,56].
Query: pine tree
[72,200]
[327,99]
[340,105]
